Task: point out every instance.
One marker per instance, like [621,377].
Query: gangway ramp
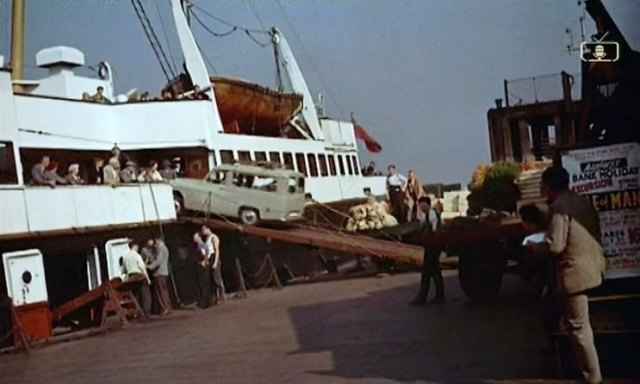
[325,239]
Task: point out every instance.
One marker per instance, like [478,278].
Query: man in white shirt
[133,267]
[431,261]
[213,249]
[396,184]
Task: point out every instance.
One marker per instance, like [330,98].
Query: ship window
[313,165]
[347,159]
[244,156]
[341,165]
[226,156]
[274,157]
[332,165]
[356,169]
[302,167]
[288,160]
[322,159]
[261,156]
[8,174]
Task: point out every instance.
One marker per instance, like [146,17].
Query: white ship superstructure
[52,118]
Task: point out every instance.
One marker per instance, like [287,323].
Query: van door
[24,275]
[94,273]
[116,249]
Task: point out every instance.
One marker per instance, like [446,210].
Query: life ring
[103,70]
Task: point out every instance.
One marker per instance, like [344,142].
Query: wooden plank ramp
[326,239]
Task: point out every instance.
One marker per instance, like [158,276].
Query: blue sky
[420,75]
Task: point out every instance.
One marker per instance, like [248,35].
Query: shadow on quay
[379,336]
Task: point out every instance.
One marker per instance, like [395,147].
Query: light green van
[251,193]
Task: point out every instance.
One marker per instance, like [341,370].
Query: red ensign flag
[361,134]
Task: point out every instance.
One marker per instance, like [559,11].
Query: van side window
[260,156]
[322,159]
[262,183]
[349,166]
[226,156]
[341,165]
[313,165]
[274,157]
[288,160]
[302,166]
[296,184]
[217,177]
[332,165]
[356,169]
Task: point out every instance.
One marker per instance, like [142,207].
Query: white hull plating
[27,210]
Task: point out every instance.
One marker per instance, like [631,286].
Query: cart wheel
[480,273]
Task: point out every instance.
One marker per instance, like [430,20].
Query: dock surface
[350,331]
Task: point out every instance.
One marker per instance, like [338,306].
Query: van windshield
[296,184]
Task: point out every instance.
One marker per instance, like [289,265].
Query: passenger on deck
[168,172]
[117,153]
[128,174]
[86,96]
[73,175]
[111,172]
[38,173]
[99,97]
[396,184]
[150,174]
[51,174]
[96,171]
[413,192]
[370,170]
[145,96]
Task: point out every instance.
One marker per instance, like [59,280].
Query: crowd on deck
[166,95]
[118,169]
[150,264]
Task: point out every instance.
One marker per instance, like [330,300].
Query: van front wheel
[249,216]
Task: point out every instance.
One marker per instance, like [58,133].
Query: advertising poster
[610,177]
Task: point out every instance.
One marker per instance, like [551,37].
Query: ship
[76,235]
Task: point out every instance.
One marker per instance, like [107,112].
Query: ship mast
[17,40]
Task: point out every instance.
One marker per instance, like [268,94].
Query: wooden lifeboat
[247,108]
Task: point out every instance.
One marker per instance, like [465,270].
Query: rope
[228,24]
[164,32]
[216,34]
[153,39]
[64,136]
[306,52]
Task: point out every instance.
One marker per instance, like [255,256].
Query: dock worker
[396,184]
[134,268]
[160,268]
[431,259]
[573,241]
[202,273]
[213,255]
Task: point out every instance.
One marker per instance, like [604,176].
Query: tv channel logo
[600,52]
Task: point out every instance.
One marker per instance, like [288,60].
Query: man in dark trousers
[431,262]
[396,184]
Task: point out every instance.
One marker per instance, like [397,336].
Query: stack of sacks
[372,215]
[455,204]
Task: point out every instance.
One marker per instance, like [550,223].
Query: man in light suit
[573,241]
